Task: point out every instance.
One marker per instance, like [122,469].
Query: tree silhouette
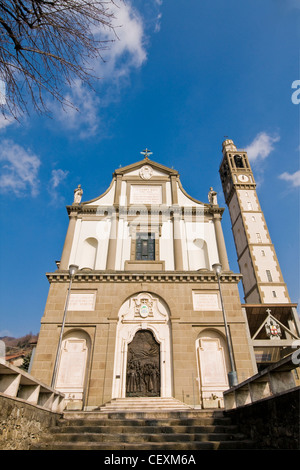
[46,44]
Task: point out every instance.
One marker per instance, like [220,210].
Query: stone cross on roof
[146,153]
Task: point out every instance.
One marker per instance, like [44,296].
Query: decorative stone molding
[160,209]
[121,276]
[146,172]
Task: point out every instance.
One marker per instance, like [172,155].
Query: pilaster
[221,242]
[64,262]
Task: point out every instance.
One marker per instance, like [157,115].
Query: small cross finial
[268,311]
[146,153]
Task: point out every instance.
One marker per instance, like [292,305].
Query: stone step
[187,429]
[140,438]
[144,403]
[143,421]
[154,446]
[134,429]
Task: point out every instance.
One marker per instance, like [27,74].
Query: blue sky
[181,77]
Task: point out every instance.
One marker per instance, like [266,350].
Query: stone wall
[274,423]
[186,322]
[22,423]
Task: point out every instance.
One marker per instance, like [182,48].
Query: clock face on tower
[243,178]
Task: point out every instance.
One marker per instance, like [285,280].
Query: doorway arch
[148,314]
[143,366]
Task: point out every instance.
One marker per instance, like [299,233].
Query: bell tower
[262,279]
[272,319]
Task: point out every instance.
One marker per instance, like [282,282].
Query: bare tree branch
[46,44]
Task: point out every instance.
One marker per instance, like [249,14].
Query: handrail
[275,379]
[16,383]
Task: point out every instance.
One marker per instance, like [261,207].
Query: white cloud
[82,115]
[5,121]
[261,147]
[57,177]
[125,52]
[294,178]
[128,49]
[293,4]
[157,24]
[19,169]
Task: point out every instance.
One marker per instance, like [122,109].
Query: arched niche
[213,367]
[89,253]
[143,366]
[72,367]
[199,257]
[142,312]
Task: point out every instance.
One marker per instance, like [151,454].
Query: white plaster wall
[74,248]
[124,245]
[266,262]
[280,294]
[99,230]
[198,257]
[256,226]
[183,200]
[106,199]
[166,245]
[248,196]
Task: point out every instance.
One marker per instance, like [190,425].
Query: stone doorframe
[143,311]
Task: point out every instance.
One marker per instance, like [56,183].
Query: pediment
[139,176]
[145,168]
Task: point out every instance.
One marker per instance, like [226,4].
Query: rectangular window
[249,206]
[145,246]
[269,276]
[263,253]
[258,238]
[274,293]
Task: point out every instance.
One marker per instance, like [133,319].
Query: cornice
[78,209]
[90,276]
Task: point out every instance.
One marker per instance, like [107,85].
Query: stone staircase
[144,404]
[144,424]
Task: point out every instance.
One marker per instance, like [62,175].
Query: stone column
[65,257]
[178,258]
[221,243]
[112,245]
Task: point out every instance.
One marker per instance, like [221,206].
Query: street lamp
[232,376]
[72,271]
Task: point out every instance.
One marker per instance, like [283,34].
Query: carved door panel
[143,366]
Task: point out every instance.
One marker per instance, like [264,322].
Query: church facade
[143,316]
